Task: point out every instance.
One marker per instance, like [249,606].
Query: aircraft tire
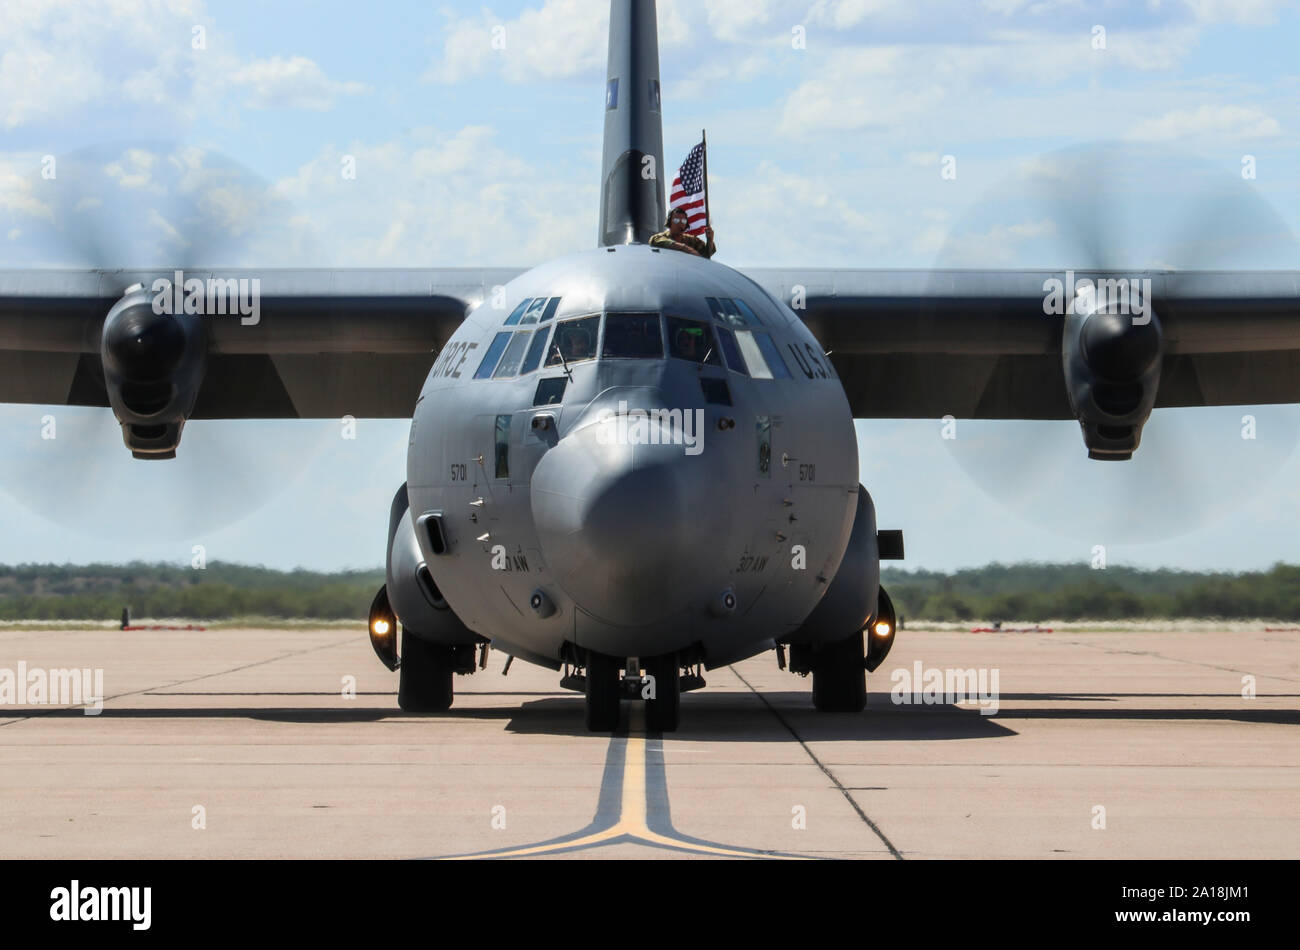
[664,711]
[839,679]
[424,679]
[603,697]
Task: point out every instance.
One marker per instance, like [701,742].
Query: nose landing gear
[603,692]
[660,688]
[663,708]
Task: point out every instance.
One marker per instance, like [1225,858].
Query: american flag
[688,191]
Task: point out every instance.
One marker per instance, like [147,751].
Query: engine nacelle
[1111,350]
[153,368]
[412,590]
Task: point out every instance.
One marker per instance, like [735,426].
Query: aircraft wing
[326,343]
[978,344]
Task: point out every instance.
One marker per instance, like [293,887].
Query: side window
[732,352]
[692,340]
[772,354]
[514,355]
[503,447]
[633,336]
[753,355]
[716,392]
[575,340]
[550,392]
[494,351]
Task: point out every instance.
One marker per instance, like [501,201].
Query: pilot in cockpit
[576,344]
[687,342]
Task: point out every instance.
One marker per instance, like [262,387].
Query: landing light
[883,629]
[381,625]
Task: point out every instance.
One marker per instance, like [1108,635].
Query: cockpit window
[727,311]
[691,340]
[750,317]
[735,361]
[494,350]
[533,310]
[534,357]
[575,340]
[518,312]
[514,356]
[633,336]
[772,355]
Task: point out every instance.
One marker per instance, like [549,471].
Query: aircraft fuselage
[635,452]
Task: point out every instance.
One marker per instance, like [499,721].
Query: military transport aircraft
[632,464]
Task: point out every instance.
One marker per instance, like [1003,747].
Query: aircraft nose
[624,527]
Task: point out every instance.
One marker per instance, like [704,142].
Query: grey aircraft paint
[635,544]
[541,513]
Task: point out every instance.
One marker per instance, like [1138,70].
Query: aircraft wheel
[664,711]
[424,678]
[602,692]
[839,679]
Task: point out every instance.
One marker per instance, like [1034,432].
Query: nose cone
[626,528]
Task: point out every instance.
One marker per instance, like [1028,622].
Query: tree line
[1029,592]
[1035,592]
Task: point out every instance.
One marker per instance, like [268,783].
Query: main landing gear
[839,677]
[425,675]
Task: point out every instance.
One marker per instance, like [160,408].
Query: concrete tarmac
[289,743]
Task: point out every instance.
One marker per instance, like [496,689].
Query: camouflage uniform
[665,239]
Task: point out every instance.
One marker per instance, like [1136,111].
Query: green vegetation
[222,591]
[1028,592]
[1076,592]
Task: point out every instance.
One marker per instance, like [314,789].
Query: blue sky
[828,155]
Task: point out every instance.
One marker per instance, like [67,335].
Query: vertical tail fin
[632,196]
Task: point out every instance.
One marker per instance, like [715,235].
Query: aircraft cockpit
[532,338]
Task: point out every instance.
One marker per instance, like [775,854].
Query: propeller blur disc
[1128,208]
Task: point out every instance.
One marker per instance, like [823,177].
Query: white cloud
[843,14]
[295,82]
[133,170]
[57,56]
[1215,123]
[998,246]
[731,20]
[1239,11]
[562,38]
[168,230]
[19,181]
[436,198]
[922,159]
